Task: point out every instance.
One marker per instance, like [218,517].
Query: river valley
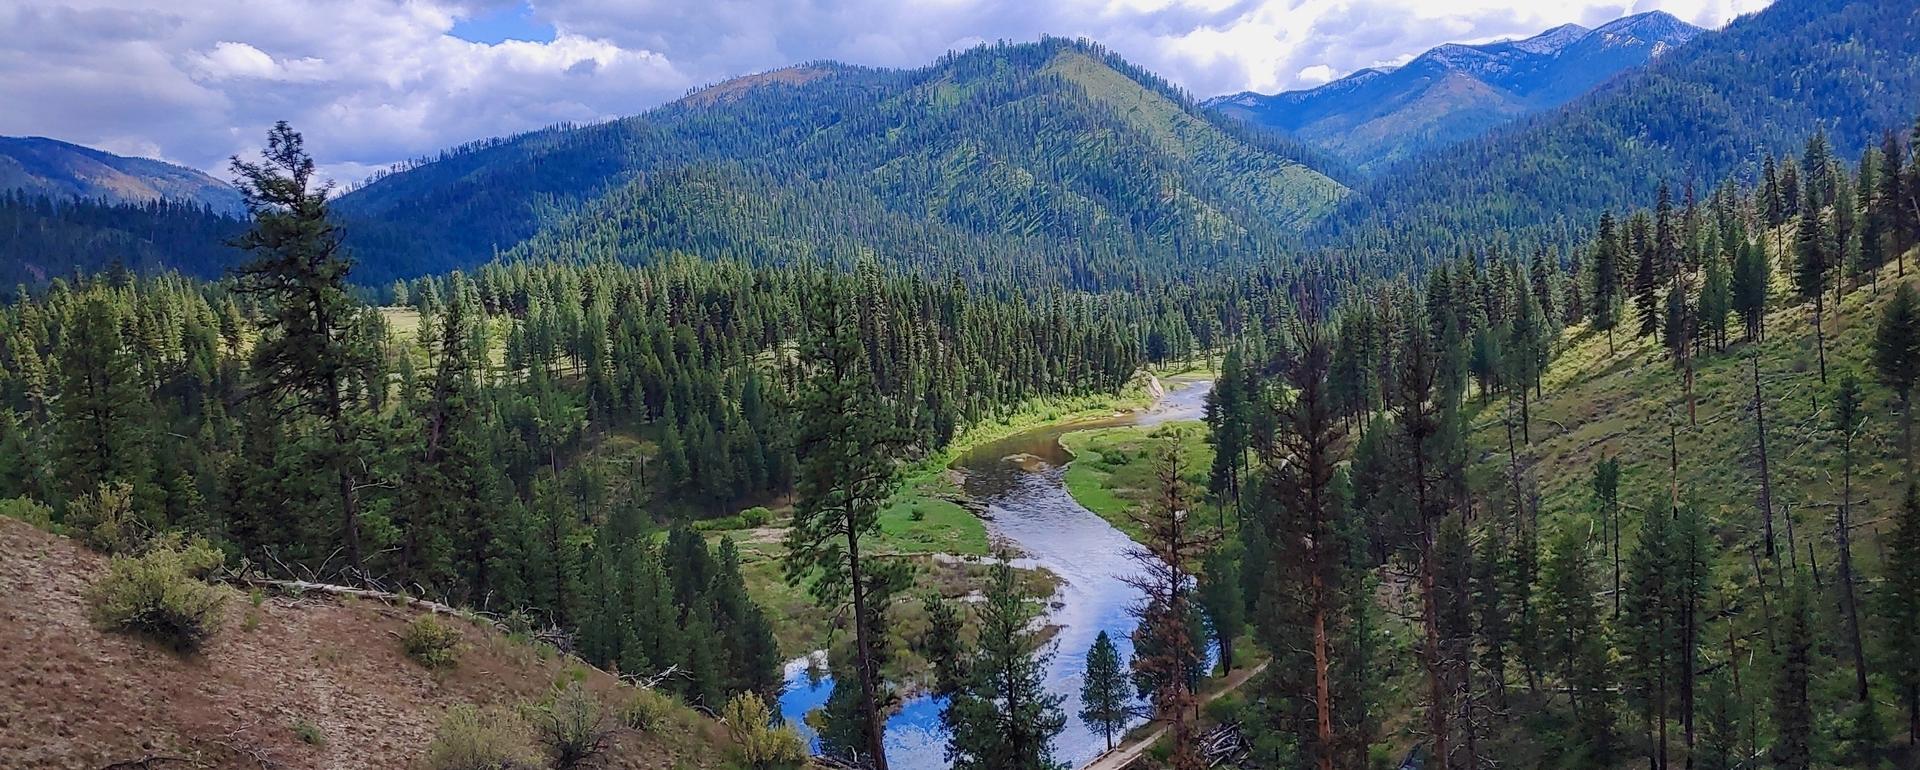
[1020,480]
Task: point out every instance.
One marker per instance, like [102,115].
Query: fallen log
[304,586]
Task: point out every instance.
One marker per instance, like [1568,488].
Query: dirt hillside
[290,683]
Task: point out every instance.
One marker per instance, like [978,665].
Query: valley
[1533,400]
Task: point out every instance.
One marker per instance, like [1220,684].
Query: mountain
[1456,91]
[1053,161]
[1704,112]
[57,169]
[42,238]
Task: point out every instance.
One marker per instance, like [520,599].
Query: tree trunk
[1906,431]
[1820,335]
[1849,603]
[1766,483]
[1436,687]
[1322,673]
[349,494]
[868,700]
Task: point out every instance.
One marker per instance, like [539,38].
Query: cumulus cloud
[371,82]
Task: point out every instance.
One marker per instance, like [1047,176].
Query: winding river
[1032,511]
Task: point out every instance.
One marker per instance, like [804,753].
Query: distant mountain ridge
[1050,163]
[1457,91]
[1710,111]
[56,169]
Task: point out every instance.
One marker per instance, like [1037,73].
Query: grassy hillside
[1631,404]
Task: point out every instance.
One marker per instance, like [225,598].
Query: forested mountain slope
[43,238]
[1056,160]
[1456,91]
[1710,109]
[40,166]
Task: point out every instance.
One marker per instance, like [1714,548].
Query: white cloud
[374,81]
[1314,75]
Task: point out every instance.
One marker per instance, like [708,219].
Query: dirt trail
[1124,755]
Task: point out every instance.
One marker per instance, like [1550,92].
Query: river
[1032,511]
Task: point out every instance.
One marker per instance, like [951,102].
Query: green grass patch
[1114,472]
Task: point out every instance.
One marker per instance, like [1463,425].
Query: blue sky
[498,25]
[372,82]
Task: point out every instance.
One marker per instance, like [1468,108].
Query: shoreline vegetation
[926,522]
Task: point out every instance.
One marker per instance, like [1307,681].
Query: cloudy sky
[371,82]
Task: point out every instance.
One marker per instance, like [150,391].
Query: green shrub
[473,739]
[762,746]
[1226,708]
[28,510]
[757,516]
[308,732]
[103,519]
[646,709]
[160,594]
[430,642]
[571,727]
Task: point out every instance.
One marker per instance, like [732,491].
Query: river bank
[1019,479]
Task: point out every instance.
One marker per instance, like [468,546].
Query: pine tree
[941,645]
[1004,718]
[1226,418]
[304,356]
[1528,348]
[1896,358]
[1749,291]
[1606,492]
[1647,629]
[1425,426]
[1648,276]
[1813,268]
[846,476]
[1846,422]
[1716,301]
[1692,573]
[1719,747]
[1166,647]
[1573,641]
[1898,223]
[1492,624]
[1899,615]
[1105,690]
[1606,278]
[1223,602]
[98,414]
[1792,710]
[1303,521]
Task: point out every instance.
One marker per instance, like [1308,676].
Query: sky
[373,82]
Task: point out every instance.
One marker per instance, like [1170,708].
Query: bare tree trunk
[1843,537]
[869,700]
[1322,672]
[1820,334]
[1766,483]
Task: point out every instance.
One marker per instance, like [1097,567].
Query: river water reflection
[1032,511]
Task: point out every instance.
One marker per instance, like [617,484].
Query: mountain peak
[1457,90]
[1651,27]
[1553,40]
